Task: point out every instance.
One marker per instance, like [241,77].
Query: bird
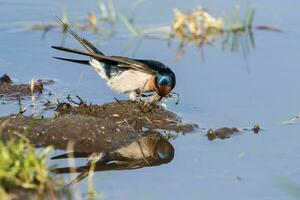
[151,149]
[124,75]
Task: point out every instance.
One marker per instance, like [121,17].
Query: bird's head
[163,151]
[165,81]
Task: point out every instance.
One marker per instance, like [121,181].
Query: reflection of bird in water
[149,150]
[125,75]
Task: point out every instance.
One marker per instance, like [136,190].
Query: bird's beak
[163,90]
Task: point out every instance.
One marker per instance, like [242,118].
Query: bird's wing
[135,64]
[122,62]
[154,64]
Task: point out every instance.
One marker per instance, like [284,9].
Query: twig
[21,111]
[117,100]
[146,119]
[81,101]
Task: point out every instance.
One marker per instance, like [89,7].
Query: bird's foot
[174,95]
[152,100]
[97,157]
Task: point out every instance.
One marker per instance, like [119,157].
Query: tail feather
[84,62]
[71,155]
[86,44]
[96,56]
[80,177]
[68,170]
[84,172]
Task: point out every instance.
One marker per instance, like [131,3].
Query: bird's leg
[133,96]
[175,96]
[98,157]
[142,91]
[139,96]
[94,157]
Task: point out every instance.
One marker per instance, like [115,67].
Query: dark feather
[84,62]
[68,170]
[154,64]
[78,178]
[116,60]
[72,155]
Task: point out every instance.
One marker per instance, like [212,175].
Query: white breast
[128,81]
[136,150]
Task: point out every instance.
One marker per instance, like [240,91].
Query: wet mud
[94,128]
[13,91]
[225,132]
[221,133]
[128,113]
[120,131]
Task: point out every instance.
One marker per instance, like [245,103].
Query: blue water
[223,89]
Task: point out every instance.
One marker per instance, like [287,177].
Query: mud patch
[225,132]
[13,91]
[94,128]
[128,113]
[221,133]
[5,79]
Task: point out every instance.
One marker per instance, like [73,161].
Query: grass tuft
[24,168]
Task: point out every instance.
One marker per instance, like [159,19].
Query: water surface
[223,89]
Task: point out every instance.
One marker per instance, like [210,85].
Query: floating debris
[225,132]
[293,120]
[256,128]
[221,133]
[268,28]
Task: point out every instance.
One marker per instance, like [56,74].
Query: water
[223,89]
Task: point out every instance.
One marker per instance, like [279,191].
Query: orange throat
[163,90]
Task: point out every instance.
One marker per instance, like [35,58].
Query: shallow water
[223,89]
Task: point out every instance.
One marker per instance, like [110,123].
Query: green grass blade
[251,17]
[103,10]
[248,19]
[64,12]
[112,11]
[128,25]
